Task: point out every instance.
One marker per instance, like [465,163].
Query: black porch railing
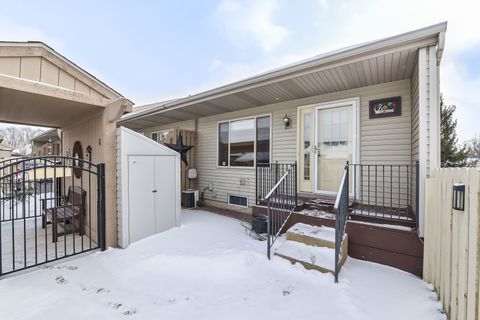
[51,207]
[266,177]
[341,216]
[281,200]
[382,191]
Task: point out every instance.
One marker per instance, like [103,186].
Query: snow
[319,256]
[23,241]
[322,233]
[317,213]
[210,269]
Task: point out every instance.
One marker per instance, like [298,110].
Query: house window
[242,142]
[240,201]
[263,139]
[223,133]
[306,147]
[160,136]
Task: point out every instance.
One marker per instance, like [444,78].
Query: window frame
[157,132]
[254,117]
[239,196]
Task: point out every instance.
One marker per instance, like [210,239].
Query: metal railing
[341,216]
[266,176]
[382,191]
[281,200]
[39,225]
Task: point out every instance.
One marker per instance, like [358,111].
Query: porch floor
[26,244]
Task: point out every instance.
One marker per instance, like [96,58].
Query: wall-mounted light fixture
[88,155]
[287,121]
[458,202]
[49,146]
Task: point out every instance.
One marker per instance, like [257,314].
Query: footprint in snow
[61,280]
[123,309]
[95,290]
[46,266]
[287,291]
[68,267]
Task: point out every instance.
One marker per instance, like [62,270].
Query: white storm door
[334,145]
[141,186]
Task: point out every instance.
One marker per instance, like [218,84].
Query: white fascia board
[434,104]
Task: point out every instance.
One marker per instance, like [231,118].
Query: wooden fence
[451,250]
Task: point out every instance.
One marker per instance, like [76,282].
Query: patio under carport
[40,87]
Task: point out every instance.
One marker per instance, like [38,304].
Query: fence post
[417,192]
[268,228]
[295,183]
[256,183]
[101,206]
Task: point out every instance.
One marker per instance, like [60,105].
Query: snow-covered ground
[210,269]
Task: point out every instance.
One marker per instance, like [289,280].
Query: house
[374,106]
[5,149]
[46,143]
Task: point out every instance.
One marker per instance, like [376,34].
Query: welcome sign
[388,107]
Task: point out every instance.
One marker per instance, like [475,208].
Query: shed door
[165,202]
[141,184]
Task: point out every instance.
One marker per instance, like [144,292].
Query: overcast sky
[156,50]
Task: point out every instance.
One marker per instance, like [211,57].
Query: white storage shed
[148,179]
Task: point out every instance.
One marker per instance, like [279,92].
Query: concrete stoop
[313,247]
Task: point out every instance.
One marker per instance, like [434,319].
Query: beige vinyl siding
[42,70]
[386,140]
[382,141]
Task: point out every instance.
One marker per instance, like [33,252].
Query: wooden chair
[70,210]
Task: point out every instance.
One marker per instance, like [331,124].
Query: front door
[334,144]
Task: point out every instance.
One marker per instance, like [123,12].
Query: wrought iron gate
[51,208]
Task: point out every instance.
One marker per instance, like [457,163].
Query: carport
[40,87]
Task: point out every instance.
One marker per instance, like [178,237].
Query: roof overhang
[47,135]
[33,103]
[40,87]
[385,60]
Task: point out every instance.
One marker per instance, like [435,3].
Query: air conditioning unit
[190,198]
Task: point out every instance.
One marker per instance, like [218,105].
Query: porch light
[458,197]
[49,146]
[286,121]
[88,155]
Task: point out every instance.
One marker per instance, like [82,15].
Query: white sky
[153,51]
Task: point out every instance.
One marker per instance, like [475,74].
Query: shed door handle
[154,191]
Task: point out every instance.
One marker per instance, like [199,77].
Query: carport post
[101,206]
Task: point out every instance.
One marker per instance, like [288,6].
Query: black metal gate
[51,208]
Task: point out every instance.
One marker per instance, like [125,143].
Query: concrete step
[312,235]
[313,258]
[313,247]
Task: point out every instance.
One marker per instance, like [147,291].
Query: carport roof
[38,86]
[39,48]
[379,61]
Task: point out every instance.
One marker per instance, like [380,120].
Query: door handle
[154,191]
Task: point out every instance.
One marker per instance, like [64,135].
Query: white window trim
[157,132]
[254,117]
[237,205]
